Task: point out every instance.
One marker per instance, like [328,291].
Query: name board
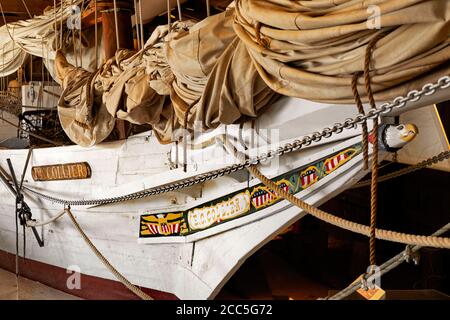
[66,171]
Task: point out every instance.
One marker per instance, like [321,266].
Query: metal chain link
[397,103]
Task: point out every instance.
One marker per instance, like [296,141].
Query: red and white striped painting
[263,196]
[164,228]
[309,176]
[332,163]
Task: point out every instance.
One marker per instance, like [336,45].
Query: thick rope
[374,182]
[365,133]
[31,223]
[410,239]
[141,294]
[373,194]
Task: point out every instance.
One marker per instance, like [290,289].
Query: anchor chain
[398,103]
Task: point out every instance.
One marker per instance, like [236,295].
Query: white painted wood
[189,270]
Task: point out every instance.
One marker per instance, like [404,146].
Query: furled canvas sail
[231,66]
[37,37]
[311,49]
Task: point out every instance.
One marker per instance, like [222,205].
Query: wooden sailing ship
[178,219]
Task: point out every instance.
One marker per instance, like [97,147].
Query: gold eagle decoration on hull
[243,202]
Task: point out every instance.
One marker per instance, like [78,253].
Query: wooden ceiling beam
[15,10]
[35,6]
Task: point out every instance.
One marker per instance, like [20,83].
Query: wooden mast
[106,16]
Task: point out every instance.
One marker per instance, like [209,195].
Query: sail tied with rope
[233,65]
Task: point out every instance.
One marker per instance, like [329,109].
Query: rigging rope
[421,165]
[374,182]
[141,24]
[32,223]
[180,16]
[26,7]
[136,16]
[169,18]
[75,55]
[410,239]
[81,33]
[55,27]
[61,27]
[208,9]
[25,167]
[105,261]
[116,24]
[96,34]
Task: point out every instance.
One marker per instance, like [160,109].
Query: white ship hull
[194,266]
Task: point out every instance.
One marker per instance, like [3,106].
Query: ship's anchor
[23,211]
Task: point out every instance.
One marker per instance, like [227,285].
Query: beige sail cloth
[205,63]
[82,114]
[230,66]
[311,49]
[41,37]
[211,64]
[130,86]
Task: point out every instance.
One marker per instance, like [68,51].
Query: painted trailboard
[241,203]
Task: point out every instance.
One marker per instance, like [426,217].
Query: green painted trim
[243,202]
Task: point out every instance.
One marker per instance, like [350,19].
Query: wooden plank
[28,290]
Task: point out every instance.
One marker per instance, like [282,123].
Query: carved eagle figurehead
[393,137]
[397,136]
